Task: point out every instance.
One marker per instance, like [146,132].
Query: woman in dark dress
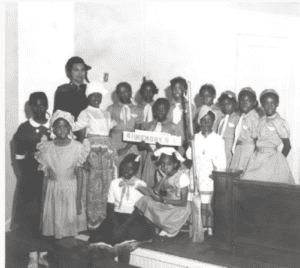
[71,97]
[28,135]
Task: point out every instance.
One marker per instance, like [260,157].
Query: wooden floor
[18,244]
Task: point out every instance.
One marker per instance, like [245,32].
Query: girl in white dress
[210,155]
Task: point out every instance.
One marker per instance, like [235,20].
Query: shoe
[33,260]
[42,260]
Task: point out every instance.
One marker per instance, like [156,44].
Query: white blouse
[95,120]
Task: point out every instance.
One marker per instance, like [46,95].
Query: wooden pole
[198,233]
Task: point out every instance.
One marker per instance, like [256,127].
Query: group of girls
[92,182]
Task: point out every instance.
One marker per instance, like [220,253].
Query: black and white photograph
[151,134]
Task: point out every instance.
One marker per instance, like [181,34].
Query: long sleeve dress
[60,217]
[267,163]
[102,161]
[167,217]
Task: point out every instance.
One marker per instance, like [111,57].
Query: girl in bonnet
[95,124]
[61,160]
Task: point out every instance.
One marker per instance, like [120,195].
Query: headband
[168,151]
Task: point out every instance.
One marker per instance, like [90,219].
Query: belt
[245,143]
[265,149]
[96,135]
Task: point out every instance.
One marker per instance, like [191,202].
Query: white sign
[152,137]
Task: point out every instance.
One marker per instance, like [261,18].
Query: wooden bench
[257,218]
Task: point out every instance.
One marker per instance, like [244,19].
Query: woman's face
[39,108]
[270,105]
[206,123]
[124,95]
[128,171]
[147,94]
[61,128]
[160,114]
[95,99]
[227,106]
[167,164]
[77,73]
[177,92]
[206,97]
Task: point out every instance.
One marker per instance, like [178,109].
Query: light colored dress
[147,111]
[102,161]
[267,163]
[179,116]
[148,168]
[60,217]
[168,217]
[245,141]
[210,155]
[226,130]
[127,123]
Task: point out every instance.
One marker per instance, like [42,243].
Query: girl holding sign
[160,123]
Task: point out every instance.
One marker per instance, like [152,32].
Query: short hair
[151,84]
[250,93]
[179,80]
[129,158]
[160,101]
[269,95]
[123,84]
[208,87]
[37,96]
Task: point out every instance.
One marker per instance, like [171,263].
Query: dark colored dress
[70,98]
[28,211]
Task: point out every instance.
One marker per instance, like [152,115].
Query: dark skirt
[139,230]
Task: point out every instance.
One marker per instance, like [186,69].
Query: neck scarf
[148,117]
[223,123]
[125,114]
[237,132]
[125,184]
[177,113]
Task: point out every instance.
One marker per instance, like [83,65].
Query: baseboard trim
[150,258]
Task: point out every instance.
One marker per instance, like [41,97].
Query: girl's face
[227,106]
[207,98]
[206,123]
[124,95]
[270,105]
[39,108]
[128,170]
[246,103]
[161,113]
[177,92]
[168,165]
[95,99]
[77,73]
[147,94]
[61,128]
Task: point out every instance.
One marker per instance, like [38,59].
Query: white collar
[36,124]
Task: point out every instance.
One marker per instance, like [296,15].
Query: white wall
[228,45]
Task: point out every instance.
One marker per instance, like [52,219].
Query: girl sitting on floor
[267,163]
[168,209]
[118,230]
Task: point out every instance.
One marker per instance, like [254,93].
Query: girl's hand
[157,198]
[161,172]
[122,151]
[78,207]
